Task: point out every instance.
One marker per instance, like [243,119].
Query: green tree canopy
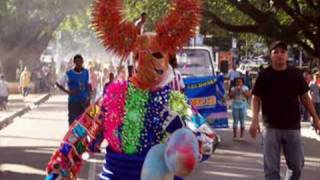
[26,27]
[293,21]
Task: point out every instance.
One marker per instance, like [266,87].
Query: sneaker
[241,139]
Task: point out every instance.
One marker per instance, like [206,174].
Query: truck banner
[206,94]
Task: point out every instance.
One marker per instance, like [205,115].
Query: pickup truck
[204,88]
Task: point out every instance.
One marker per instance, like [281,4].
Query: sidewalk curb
[10,119]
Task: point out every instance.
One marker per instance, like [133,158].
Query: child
[239,94]
[4,92]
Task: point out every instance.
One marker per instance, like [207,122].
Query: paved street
[16,102]
[26,146]
[19,105]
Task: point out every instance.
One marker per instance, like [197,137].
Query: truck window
[194,62]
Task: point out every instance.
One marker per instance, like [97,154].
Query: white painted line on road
[226,174]
[239,168]
[93,160]
[23,169]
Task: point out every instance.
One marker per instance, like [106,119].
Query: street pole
[300,58]
[246,47]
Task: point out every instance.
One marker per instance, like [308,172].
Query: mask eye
[136,56]
[157,55]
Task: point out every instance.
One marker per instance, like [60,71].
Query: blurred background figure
[25,81]
[122,74]
[177,83]
[18,72]
[315,92]
[94,82]
[248,80]
[4,93]
[140,23]
[305,116]
[111,79]
[105,76]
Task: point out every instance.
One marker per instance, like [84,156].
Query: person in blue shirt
[247,80]
[78,88]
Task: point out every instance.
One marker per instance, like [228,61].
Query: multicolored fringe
[178,103]
[68,159]
[114,103]
[134,119]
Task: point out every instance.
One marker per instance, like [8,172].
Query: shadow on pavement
[24,162]
[243,160]
[8,175]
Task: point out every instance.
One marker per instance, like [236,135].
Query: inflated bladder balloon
[182,152]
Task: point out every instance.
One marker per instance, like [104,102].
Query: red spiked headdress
[120,36]
[152,51]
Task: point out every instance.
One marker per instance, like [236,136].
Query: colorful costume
[143,120]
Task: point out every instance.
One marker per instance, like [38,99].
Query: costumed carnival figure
[143,120]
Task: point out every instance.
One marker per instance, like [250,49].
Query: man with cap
[277,91]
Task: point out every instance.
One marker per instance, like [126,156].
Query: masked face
[151,63]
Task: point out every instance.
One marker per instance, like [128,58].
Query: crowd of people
[83,84]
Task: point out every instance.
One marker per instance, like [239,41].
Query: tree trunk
[27,49]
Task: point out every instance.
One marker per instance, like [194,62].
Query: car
[252,68]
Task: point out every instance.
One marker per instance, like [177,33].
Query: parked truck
[197,61]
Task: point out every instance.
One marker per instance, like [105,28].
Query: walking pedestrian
[247,80]
[78,83]
[111,79]
[94,82]
[4,93]
[18,73]
[239,95]
[25,81]
[232,75]
[305,116]
[315,92]
[278,90]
